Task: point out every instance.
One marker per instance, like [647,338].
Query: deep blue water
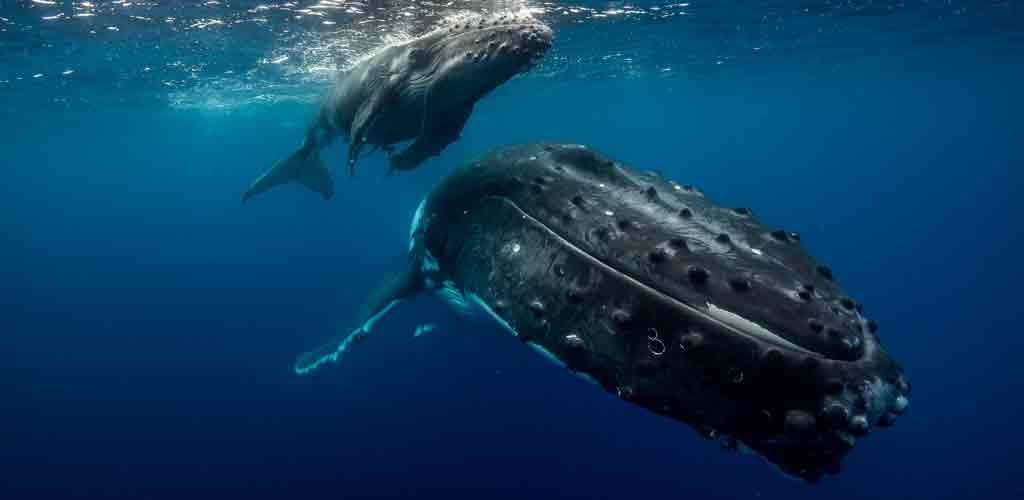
[148,320]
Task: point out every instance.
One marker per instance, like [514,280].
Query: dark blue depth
[148,320]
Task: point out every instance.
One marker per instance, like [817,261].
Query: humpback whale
[422,90]
[657,294]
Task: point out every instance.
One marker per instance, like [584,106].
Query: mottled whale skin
[422,90]
[665,299]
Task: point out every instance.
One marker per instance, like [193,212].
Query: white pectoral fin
[365,119]
[332,350]
[381,303]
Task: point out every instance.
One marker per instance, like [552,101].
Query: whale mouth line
[721,318]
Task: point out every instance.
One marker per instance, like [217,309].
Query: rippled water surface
[234,53]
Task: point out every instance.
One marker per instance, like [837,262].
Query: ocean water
[148,320]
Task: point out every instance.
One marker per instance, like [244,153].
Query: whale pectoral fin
[362,125]
[361,128]
[385,299]
[436,137]
[303,166]
[357,140]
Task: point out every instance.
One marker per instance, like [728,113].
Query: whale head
[465,59]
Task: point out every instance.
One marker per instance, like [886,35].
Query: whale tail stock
[304,166]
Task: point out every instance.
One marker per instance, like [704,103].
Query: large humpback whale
[422,90]
[649,289]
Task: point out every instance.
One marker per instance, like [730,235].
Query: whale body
[422,90]
[660,296]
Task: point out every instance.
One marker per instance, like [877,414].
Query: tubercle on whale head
[734,313]
[473,55]
[723,259]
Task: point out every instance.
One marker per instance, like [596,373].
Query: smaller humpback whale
[422,90]
[660,296]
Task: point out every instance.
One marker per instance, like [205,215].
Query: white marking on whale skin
[450,294]
[548,355]
[417,219]
[877,395]
[744,245]
[511,248]
[429,263]
[901,403]
[750,328]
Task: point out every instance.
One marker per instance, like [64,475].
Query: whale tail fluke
[304,167]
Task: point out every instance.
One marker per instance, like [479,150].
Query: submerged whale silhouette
[655,293]
[423,89]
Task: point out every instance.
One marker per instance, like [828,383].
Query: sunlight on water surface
[223,55]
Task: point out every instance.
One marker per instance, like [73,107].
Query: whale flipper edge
[392,292]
